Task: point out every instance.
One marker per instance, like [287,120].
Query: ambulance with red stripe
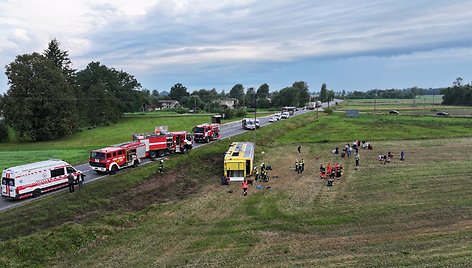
[36,178]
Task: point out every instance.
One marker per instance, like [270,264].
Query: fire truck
[206,132]
[161,142]
[116,157]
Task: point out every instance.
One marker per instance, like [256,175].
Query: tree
[61,59]
[303,94]
[323,93]
[250,97]
[263,91]
[237,92]
[110,92]
[178,92]
[288,96]
[40,104]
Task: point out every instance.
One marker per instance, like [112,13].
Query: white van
[36,178]
[285,115]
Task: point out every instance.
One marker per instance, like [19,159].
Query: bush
[328,111]
[241,112]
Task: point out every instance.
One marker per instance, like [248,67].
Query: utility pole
[255,118]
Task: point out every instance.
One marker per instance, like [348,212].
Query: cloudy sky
[350,45]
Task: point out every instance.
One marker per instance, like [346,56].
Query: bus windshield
[97,155]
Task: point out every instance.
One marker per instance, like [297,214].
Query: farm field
[415,213]
[422,105]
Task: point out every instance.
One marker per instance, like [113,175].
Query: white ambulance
[36,178]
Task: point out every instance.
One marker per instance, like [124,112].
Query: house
[167,104]
[227,103]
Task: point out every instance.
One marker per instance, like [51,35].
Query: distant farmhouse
[168,104]
[227,103]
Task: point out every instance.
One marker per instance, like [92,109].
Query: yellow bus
[239,161]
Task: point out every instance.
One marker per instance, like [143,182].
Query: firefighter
[257,175]
[161,167]
[302,166]
[296,166]
[262,166]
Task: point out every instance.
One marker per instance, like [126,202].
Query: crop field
[414,213]
[75,148]
[423,105]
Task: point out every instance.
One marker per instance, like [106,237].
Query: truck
[113,158]
[206,132]
[32,180]
[161,142]
[314,104]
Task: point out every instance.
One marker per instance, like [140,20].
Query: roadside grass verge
[416,212]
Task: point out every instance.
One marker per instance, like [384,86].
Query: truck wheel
[36,193]
[135,163]
[114,169]
[152,154]
[207,139]
[185,150]
[160,153]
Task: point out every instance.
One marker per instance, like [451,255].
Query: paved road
[227,130]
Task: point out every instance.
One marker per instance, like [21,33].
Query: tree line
[458,93]
[48,99]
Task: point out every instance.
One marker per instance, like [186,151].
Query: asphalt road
[227,130]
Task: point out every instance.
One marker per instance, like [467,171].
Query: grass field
[415,213]
[422,105]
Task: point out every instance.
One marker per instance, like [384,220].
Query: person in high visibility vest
[244,185]
[161,167]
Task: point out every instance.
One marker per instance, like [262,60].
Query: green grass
[412,213]
[426,105]
[338,127]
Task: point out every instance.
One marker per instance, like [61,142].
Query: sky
[349,45]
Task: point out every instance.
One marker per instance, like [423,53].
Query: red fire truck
[206,132]
[161,142]
[113,158]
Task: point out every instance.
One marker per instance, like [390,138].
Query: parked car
[257,123]
[393,112]
[277,116]
[285,115]
[442,114]
[273,119]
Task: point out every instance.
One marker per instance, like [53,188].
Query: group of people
[389,156]
[349,150]
[75,180]
[263,176]
[300,166]
[331,171]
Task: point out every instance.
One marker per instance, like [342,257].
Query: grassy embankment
[412,213]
